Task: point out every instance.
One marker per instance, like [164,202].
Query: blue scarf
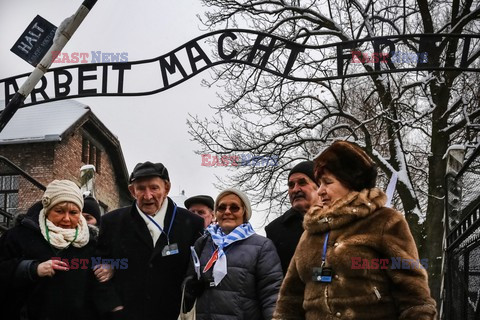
[222,241]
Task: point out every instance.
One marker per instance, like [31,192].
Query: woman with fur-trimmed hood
[357,259]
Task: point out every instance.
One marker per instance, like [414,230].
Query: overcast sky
[149,128]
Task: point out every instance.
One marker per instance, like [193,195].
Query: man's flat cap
[148,169]
[203,199]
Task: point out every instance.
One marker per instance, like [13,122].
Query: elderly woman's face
[65,215]
[330,189]
[230,213]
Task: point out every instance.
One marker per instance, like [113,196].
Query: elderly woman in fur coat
[357,259]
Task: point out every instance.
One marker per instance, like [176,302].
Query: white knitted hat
[241,195]
[59,191]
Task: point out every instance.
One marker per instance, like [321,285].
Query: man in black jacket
[286,230]
[151,239]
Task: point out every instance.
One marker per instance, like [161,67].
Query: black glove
[194,286]
[193,289]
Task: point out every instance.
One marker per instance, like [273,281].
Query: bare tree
[405,121]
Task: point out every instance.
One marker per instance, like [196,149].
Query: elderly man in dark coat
[286,230]
[155,236]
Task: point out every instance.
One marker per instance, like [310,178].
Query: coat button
[338,314]
[336,244]
[337,277]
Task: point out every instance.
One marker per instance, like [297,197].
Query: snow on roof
[43,122]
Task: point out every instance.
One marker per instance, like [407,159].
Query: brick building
[53,141]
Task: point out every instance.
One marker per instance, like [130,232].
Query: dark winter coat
[66,295]
[285,232]
[150,287]
[360,227]
[250,288]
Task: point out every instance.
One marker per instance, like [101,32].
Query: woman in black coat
[45,260]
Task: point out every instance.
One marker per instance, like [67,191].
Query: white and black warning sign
[35,41]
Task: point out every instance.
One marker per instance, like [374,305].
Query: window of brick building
[9,193]
[91,153]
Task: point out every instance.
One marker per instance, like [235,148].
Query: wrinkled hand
[103,272]
[47,268]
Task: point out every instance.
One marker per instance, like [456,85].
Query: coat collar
[162,240]
[139,226]
[353,206]
[291,214]
[142,231]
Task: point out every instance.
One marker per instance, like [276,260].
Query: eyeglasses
[233,208]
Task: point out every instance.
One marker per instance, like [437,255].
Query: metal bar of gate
[65,31]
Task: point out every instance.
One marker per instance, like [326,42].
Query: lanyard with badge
[169,249]
[323,274]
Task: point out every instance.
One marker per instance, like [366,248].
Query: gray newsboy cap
[149,169]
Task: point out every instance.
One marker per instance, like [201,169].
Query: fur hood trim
[355,205]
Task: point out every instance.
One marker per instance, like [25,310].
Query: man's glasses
[233,208]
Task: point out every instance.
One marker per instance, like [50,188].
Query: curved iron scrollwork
[347,59]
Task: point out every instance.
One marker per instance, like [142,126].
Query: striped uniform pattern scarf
[222,241]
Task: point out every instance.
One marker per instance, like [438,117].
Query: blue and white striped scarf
[222,241]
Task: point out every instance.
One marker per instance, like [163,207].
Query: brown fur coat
[360,228]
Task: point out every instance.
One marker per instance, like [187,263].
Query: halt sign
[35,41]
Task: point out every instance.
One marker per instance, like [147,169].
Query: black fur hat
[349,164]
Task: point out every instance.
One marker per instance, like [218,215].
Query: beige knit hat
[59,191]
[241,195]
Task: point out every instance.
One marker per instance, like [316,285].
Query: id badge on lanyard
[171,248]
[323,273]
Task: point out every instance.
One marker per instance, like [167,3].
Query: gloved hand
[193,289]
[194,286]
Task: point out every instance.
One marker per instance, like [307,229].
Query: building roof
[43,122]
[51,121]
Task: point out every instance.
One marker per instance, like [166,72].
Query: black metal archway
[341,60]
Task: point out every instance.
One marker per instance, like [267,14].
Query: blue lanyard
[324,253]
[171,223]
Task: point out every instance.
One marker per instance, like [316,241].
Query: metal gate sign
[270,53]
[35,41]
